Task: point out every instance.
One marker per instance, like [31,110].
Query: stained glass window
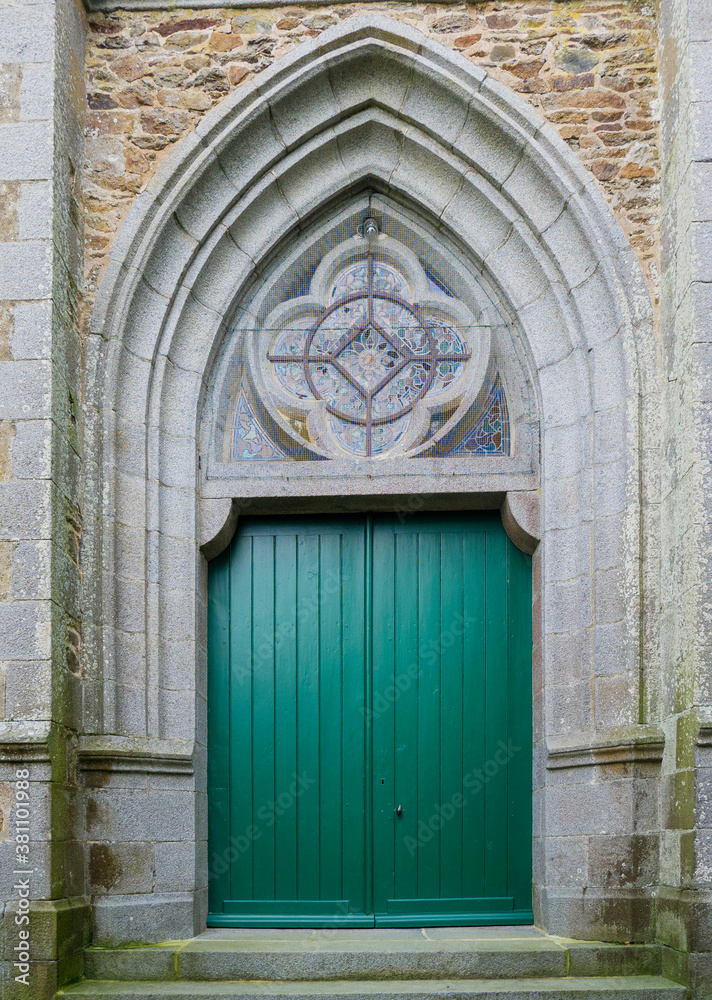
[250,442]
[373,357]
[482,431]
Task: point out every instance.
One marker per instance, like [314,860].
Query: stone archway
[369,98]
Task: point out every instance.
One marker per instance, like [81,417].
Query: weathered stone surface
[10,82]
[41,100]
[25,269]
[143,917]
[7,435]
[189,63]
[7,325]
[120,867]
[6,552]
[28,688]
[25,630]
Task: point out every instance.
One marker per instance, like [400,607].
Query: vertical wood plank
[240,700]
[219,730]
[355,748]
[286,777]
[308,728]
[406,714]
[495,773]
[519,628]
[451,634]
[429,708]
[330,716]
[383,639]
[473,713]
[263,716]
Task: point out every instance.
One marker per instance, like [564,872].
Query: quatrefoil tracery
[370,356]
[371,351]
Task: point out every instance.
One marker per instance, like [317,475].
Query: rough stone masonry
[589,67]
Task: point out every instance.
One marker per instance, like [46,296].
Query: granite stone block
[143,918]
[25,155]
[27,41]
[24,270]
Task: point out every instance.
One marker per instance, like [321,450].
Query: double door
[369,717]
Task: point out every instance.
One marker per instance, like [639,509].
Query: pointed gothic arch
[369,100]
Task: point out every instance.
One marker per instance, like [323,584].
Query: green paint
[355,665]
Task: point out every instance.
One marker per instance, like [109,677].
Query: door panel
[356,665]
[443,649]
[286,733]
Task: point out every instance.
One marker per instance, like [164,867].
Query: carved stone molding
[627,744]
[704,737]
[25,742]
[521,517]
[120,754]
[218,520]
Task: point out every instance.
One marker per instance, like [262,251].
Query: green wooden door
[369,723]
[287,742]
[451,722]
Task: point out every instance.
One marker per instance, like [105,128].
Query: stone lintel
[137,755]
[610,746]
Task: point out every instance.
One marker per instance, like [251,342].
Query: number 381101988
[22,813]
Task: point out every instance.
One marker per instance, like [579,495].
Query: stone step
[524,953]
[560,988]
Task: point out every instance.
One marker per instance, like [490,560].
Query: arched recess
[368,99]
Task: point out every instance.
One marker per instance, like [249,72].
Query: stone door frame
[370,97]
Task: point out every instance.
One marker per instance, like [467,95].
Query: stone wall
[41,256]
[589,67]
[685,908]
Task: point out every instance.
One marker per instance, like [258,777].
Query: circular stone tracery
[372,343]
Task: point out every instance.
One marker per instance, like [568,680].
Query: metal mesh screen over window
[367,345]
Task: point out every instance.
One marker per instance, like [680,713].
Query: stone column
[685,900]
[41,102]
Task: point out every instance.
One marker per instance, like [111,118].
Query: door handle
[399,811]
